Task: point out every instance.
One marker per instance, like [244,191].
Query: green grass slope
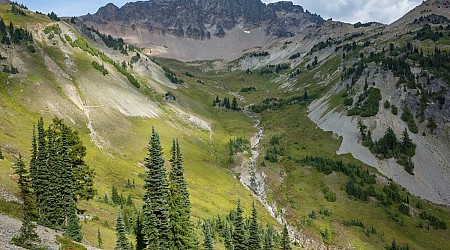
[114,120]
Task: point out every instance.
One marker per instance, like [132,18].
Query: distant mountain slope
[203,29]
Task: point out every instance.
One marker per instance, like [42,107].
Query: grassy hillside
[114,120]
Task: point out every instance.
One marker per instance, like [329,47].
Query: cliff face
[165,22]
[201,19]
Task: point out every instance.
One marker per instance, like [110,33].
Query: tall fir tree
[33,159]
[73,230]
[254,241]
[207,235]
[27,237]
[182,236]
[121,241]
[228,238]
[156,189]
[149,227]
[58,172]
[138,232]
[268,238]
[285,241]
[42,178]
[53,214]
[239,240]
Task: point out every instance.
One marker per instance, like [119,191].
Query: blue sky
[385,11]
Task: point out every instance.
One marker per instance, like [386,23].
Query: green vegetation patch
[53,28]
[370,104]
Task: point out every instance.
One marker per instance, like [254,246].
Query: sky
[351,11]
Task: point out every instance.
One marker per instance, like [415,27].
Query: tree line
[57,178]
[225,103]
[10,35]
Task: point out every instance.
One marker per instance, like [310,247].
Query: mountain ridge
[173,24]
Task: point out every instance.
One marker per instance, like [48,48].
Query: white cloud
[352,11]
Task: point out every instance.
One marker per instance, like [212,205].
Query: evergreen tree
[138,232]
[122,241]
[254,241]
[99,239]
[234,104]
[268,240]
[407,146]
[1,154]
[33,158]
[27,237]
[156,189]
[228,238]
[285,241]
[181,229]
[42,180]
[239,229]
[53,215]
[227,103]
[115,196]
[150,231]
[58,172]
[208,243]
[73,230]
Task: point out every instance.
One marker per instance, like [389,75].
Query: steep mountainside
[173,27]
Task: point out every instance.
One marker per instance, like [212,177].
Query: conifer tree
[408,147]
[234,104]
[228,239]
[42,179]
[239,229]
[254,241]
[285,241]
[53,215]
[1,154]
[73,230]
[156,189]
[180,226]
[138,232]
[33,158]
[268,240]
[150,231]
[58,172]
[208,241]
[27,237]
[115,196]
[99,239]
[122,241]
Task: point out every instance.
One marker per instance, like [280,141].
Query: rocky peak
[108,12]
[201,19]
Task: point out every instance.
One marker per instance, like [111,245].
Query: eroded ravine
[253,178]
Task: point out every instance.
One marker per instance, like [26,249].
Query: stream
[253,179]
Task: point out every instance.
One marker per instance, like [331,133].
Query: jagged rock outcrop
[170,23]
